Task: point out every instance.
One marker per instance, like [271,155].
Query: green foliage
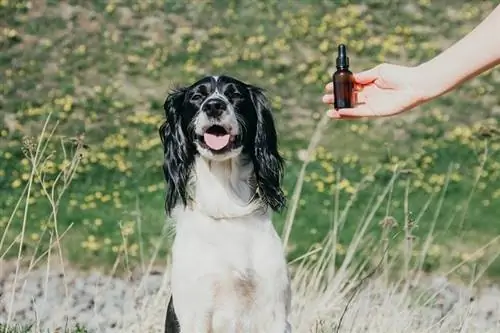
[103,68]
[15,329]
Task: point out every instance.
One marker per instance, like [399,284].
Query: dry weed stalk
[36,151]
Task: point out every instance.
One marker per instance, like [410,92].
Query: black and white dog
[224,173]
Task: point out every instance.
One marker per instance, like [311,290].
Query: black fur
[171,321]
[267,161]
[258,137]
[259,140]
[179,151]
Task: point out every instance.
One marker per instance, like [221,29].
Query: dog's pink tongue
[216,142]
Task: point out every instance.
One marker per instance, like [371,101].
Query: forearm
[475,53]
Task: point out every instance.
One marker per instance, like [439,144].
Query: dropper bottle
[343,81]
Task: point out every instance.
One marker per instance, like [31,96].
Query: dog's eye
[197,97]
[235,94]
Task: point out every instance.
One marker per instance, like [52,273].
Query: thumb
[368,76]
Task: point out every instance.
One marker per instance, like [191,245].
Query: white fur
[221,244]
[228,119]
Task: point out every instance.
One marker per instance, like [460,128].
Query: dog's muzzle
[218,128]
[214,107]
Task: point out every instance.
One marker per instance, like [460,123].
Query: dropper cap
[342,58]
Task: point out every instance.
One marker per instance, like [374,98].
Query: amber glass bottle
[343,82]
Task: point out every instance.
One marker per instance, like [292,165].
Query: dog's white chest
[229,275]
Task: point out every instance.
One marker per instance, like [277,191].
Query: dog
[224,180]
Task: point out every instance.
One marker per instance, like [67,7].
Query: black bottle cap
[342,58]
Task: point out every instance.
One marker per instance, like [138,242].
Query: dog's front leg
[279,325]
[193,309]
[273,315]
[197,321]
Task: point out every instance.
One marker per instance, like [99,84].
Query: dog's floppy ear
[268,163]
[178,157]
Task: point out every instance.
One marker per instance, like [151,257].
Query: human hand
[382,91]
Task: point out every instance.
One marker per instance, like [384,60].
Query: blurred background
[82,84]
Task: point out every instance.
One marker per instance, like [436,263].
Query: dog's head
[219,118]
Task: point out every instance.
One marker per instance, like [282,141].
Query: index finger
[360,111]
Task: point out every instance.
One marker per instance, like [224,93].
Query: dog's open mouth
[217,138]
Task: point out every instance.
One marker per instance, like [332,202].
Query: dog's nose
[214,107]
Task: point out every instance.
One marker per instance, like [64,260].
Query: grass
[101,70]
[332,284]
[29,329]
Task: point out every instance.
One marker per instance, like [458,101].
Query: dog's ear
[268,163]
[178,155]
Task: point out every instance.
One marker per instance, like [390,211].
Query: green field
[101,70]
